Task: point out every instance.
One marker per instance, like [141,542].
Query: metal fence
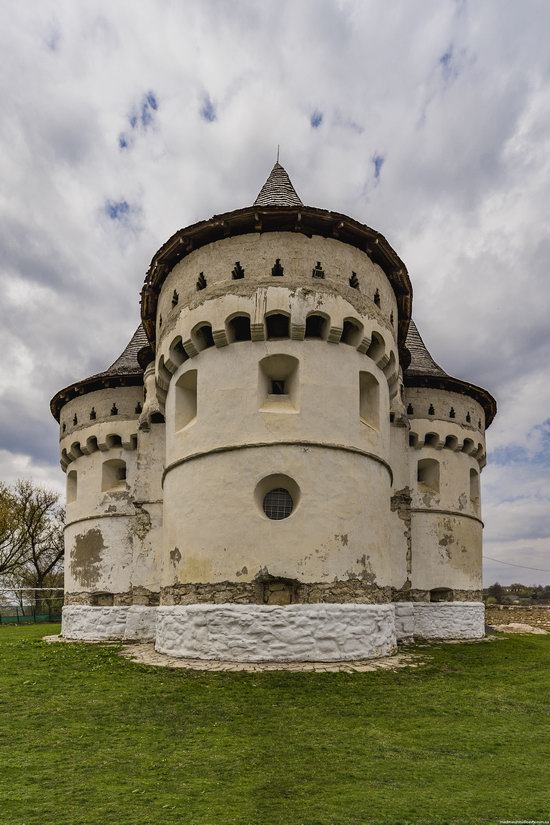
[30,605]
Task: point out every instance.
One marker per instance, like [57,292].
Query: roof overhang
[95,382]
[304,219]
[446,382]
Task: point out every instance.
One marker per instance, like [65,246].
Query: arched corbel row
[94,443]
[311,325]
[448,442]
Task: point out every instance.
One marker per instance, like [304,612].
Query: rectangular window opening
[278,387]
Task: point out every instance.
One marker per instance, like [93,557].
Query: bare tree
[41,528]
[12,537]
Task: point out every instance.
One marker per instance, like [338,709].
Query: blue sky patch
[516,454]
[448,65]
[208,110]
[316,119]
[117,210]
[123,141]
[377,162]
[144,116]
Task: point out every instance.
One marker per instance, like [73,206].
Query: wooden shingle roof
[423,371]
[278,190]
[127,362]
[422,362]
[125,371]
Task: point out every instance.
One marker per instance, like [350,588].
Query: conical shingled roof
[278,190]
[127,363]
[424,372]
[422,362]
[125,371]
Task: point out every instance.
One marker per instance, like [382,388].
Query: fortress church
[275,468]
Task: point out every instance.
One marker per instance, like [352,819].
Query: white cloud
[453,96]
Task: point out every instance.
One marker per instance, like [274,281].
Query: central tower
[277,340]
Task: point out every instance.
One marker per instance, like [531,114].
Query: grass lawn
[87,737]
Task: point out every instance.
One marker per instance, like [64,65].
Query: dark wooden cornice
[304,219]
[446,382]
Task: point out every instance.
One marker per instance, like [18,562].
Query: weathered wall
[422,398]
[215,530]
[257,253]
[446,527]
[112,536]
[147,499]
[98,531]
[446,552]
[214,526]
[400,546]
[105,423]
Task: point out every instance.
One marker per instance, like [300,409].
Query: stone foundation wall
[94,623]
[135,623]
[353,591]
[136,596]
[294,632]
[449,620]
[141,624]
[254,633]
[404,621]
[414,594]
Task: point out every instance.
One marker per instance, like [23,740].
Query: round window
[278,503]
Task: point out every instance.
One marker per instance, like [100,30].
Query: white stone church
[275,468]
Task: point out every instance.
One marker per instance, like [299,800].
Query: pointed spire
[278,190]
[422,362]
[127,361]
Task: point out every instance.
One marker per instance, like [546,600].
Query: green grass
[87,737]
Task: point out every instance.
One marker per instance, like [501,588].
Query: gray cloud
[435,131]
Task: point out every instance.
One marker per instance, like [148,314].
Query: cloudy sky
[428,120]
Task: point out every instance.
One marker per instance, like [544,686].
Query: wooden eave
[95,382]
[447,382]
[304,219]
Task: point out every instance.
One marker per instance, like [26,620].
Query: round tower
[448,418]
[277,332]
[111,515]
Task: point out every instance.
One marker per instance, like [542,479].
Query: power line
[523,566]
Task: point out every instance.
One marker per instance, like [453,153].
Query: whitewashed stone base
[404,621]
[141,624]
[80,621]
[260,633]
[265,633]
[449,620]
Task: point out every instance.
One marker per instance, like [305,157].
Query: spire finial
[278,190]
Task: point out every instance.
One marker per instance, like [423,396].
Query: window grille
[278,504]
